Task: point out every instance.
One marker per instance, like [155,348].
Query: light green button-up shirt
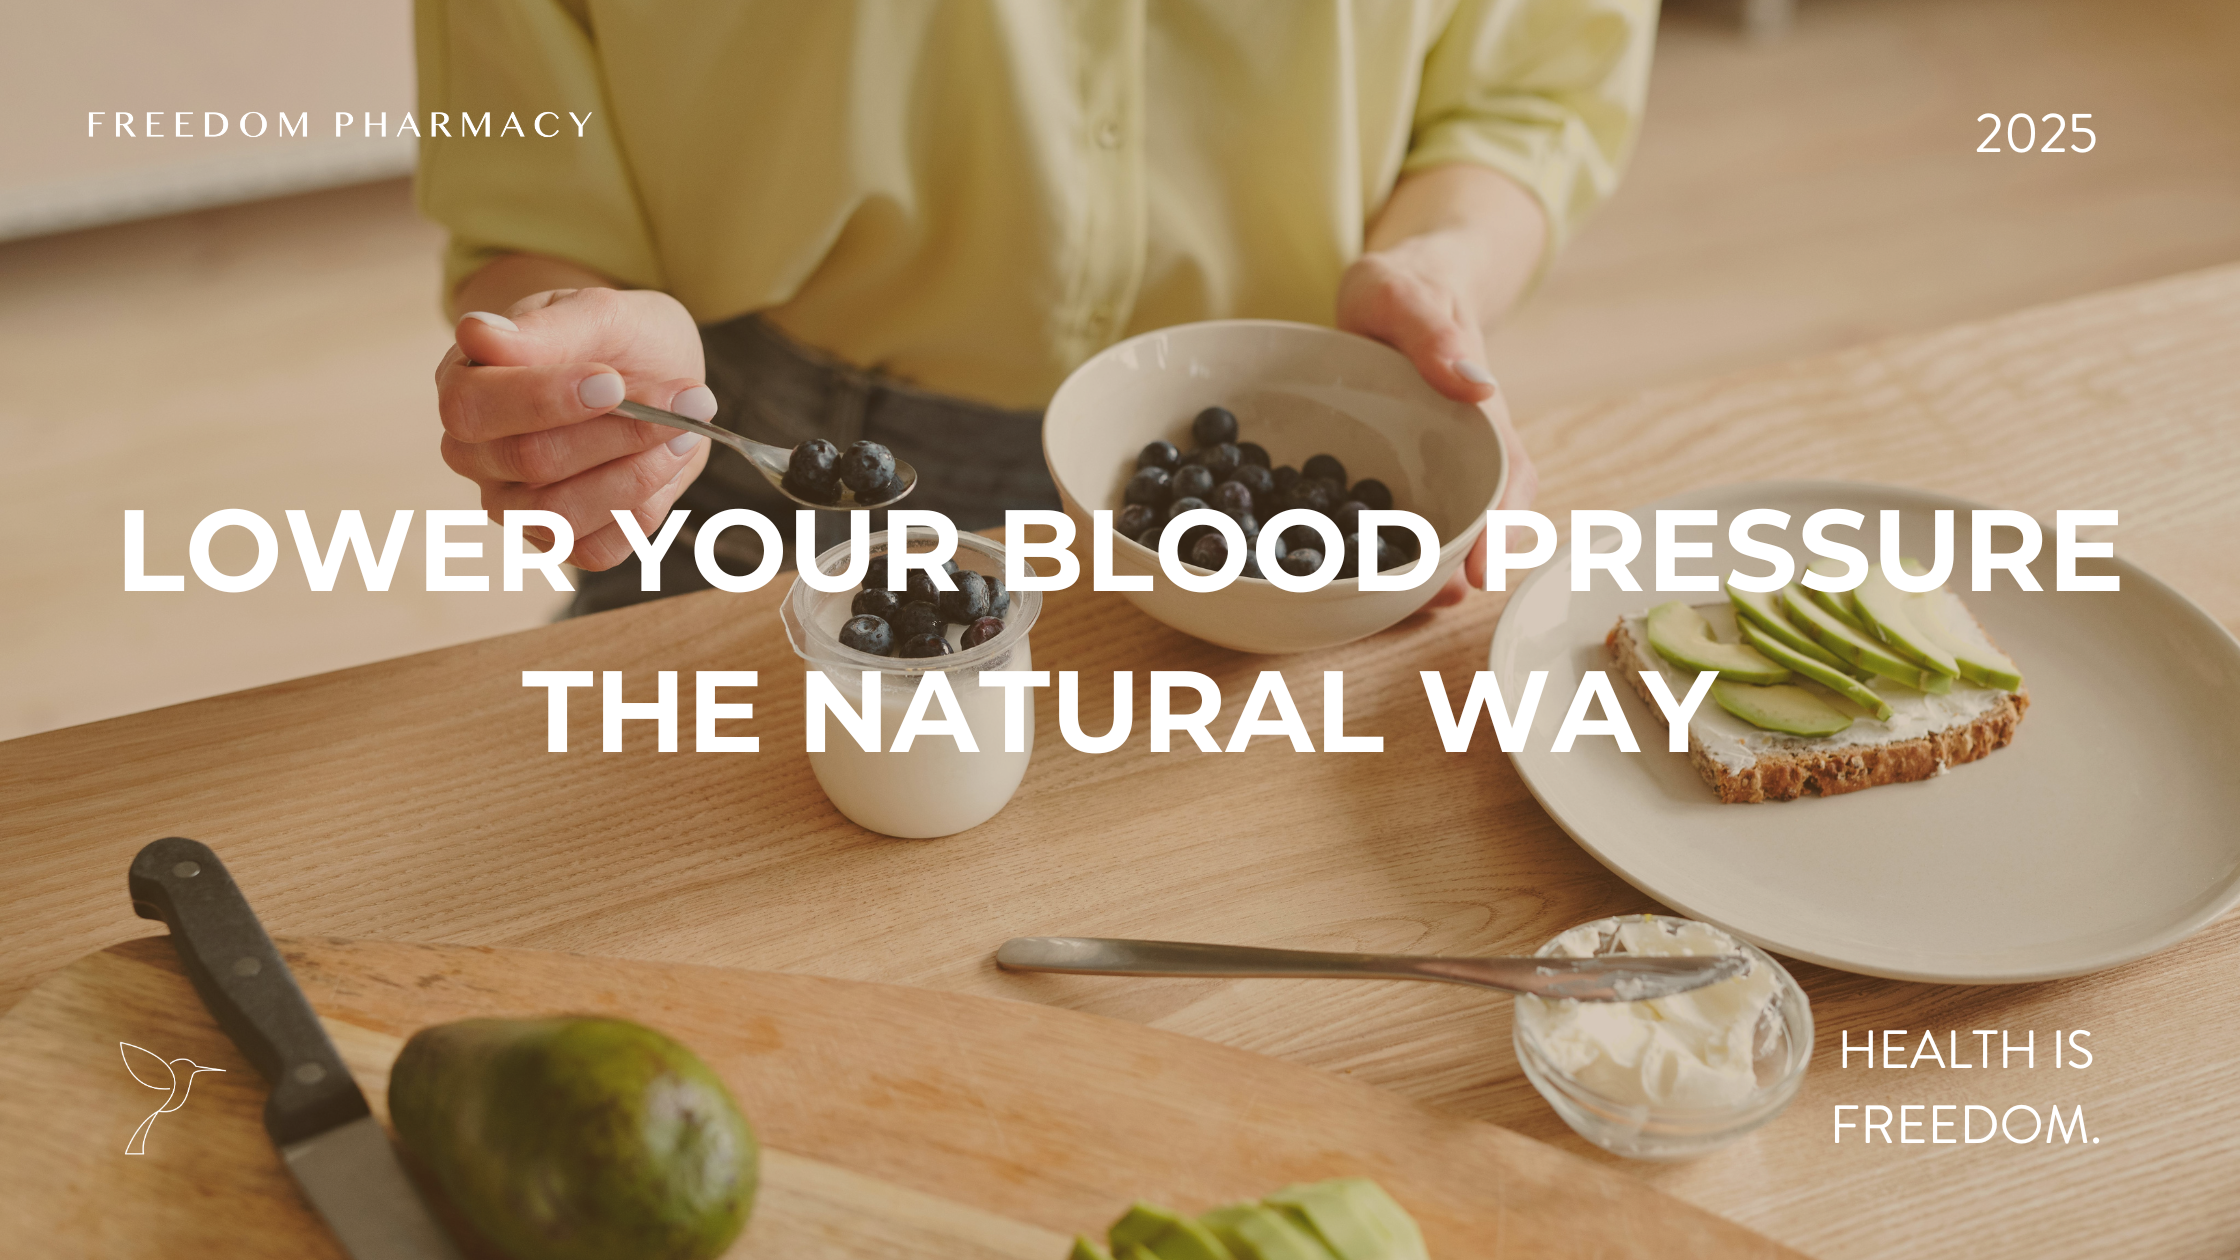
[977,195]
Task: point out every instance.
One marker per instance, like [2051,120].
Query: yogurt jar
[934,787]
[1675,1076]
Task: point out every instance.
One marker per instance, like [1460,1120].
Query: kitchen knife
[316,1115]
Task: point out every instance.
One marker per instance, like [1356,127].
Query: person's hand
[1398,297]
[527,397]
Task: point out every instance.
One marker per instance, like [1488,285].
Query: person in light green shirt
[908,220]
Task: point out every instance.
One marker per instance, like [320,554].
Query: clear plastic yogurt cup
[933,788]
[1778,1046]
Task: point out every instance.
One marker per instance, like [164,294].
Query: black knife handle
[246,986]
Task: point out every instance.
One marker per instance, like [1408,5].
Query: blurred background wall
[1791,195]
[229,58]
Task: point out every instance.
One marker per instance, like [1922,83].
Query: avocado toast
[1892,715]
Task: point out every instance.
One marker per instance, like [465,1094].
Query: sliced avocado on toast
[1833,679]
[1679,634]
[1787,708]
[1856,647]
[1979,662]
[1764,610]
[1886,610]
[1837,603]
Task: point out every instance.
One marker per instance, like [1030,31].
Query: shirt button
[1108,135]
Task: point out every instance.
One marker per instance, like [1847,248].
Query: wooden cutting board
[895,1121]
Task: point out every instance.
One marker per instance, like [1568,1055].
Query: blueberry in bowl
[1149,487]
[926,645]
[1214,426]
[968,603]
[914,619]
[1219,460]
[1179,506]
[1192,481]
[1233,497]
[1210,551]
[1294,392]
[876,601]
[1326,468]
[867,633]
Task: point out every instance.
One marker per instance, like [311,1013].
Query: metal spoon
[769,460]
[1608,978]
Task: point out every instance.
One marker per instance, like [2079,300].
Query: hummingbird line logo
[156,1072]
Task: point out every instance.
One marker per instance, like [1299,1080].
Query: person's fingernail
[600,392]
[495,321]
[697,403]
[685,443]
[1472,373]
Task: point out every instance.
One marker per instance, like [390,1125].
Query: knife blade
[316,1115]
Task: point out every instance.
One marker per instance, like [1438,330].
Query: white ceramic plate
[2104,832]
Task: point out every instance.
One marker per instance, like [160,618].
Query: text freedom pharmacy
[210,125]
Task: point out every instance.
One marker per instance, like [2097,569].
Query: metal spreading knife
[316,1114]
[1608,978]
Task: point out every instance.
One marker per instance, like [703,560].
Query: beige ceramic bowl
[1297,390]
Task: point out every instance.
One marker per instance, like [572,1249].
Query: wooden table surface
[414,800]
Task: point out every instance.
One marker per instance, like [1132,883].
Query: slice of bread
[1791,766]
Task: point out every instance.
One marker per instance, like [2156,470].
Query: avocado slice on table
[1086,1249]
[1141,1223]
[576,1137]
[1252,1231]
[1354,1218]
[1165,1234]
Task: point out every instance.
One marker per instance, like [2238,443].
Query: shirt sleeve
[509,189]
[1548,92]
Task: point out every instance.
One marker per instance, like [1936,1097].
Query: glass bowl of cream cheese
[1675,1076]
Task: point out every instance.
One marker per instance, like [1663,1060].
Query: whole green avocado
[576,1137]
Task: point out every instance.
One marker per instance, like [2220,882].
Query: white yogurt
[934,787]
[1693,1049]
